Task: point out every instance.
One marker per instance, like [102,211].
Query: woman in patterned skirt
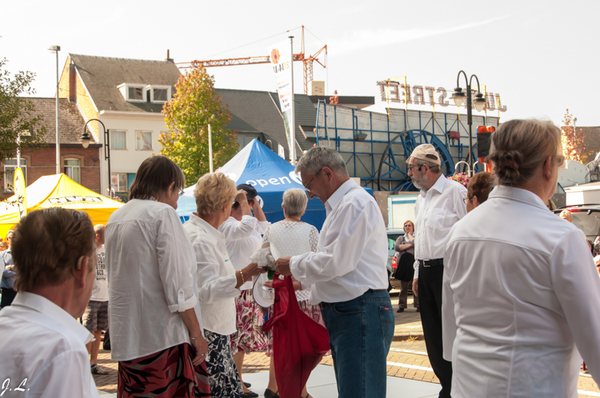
[218,281]
[291,237]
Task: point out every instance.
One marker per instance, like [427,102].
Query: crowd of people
[508,294]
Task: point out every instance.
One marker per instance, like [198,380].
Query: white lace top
[292,238]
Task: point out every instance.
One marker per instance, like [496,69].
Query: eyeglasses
[181,192]
[411,168]
[560,160]
[466,199]
[307,186]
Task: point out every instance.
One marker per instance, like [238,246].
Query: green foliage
[17,114]
[572,141]
[187,115]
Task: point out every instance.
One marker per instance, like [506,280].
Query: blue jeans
[360,334]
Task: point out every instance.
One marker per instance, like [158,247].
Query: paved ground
[407,358]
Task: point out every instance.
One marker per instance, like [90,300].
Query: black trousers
[430,302]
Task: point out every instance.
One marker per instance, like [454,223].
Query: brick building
[81,165]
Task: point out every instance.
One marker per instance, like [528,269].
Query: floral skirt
[222,373]
[313,311]
[249,336]
[167,373]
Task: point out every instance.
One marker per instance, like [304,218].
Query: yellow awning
[58,191]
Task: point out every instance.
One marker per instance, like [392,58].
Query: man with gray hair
[439,206]
[348,275]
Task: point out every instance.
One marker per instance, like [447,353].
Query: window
[159,93]
[133,92]
[143,140]
[118,139]
[72,169]
[119,182]
[9,172]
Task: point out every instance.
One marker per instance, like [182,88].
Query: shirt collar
[437,186]
[213,235]
[44,306]
[518,194]
[339,193]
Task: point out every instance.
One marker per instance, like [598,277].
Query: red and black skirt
[167,373]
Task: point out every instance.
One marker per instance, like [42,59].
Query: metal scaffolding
[376,146]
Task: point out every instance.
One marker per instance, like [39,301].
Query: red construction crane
[301,56]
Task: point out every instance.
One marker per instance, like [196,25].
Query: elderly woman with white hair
[218,281]
[291,237]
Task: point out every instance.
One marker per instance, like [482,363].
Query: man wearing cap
[439,206]
[243,236]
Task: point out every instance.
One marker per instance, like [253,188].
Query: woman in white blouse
[521,298]
[153,308]
[218,281]
[291,237]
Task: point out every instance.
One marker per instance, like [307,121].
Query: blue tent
[271,175]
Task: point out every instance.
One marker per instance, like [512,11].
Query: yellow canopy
[58,190]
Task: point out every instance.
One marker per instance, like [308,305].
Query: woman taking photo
[218,281]
[153,308]
[521,295]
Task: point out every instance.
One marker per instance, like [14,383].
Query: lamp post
[479,102]
[85,142]
[56,49]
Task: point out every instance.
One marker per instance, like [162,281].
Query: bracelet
[242,277]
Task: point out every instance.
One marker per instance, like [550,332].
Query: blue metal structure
[377,145]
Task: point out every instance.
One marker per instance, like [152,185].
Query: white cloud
[363,39]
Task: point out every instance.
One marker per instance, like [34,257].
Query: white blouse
[290,239]
[521,296]
[243,238]
[151,278]
[216,276]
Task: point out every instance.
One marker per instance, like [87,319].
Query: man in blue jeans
[348,275]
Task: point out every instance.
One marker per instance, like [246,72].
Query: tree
[572,141]
[195,105]
[17,113]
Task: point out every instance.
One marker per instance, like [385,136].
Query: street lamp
[85,142]
[56,49]
[479,102]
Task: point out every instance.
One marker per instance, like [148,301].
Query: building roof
[259,112]
[70,120]
[102,75]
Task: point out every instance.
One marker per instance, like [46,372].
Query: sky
[540,56]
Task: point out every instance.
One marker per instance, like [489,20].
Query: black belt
[437,262]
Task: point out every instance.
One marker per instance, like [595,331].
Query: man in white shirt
[95,317]
[348,275]
[439,206]
[43,345]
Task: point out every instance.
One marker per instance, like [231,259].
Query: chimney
[72,82]
[169,59]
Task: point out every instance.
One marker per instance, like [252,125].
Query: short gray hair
[318,157]
[294,201]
